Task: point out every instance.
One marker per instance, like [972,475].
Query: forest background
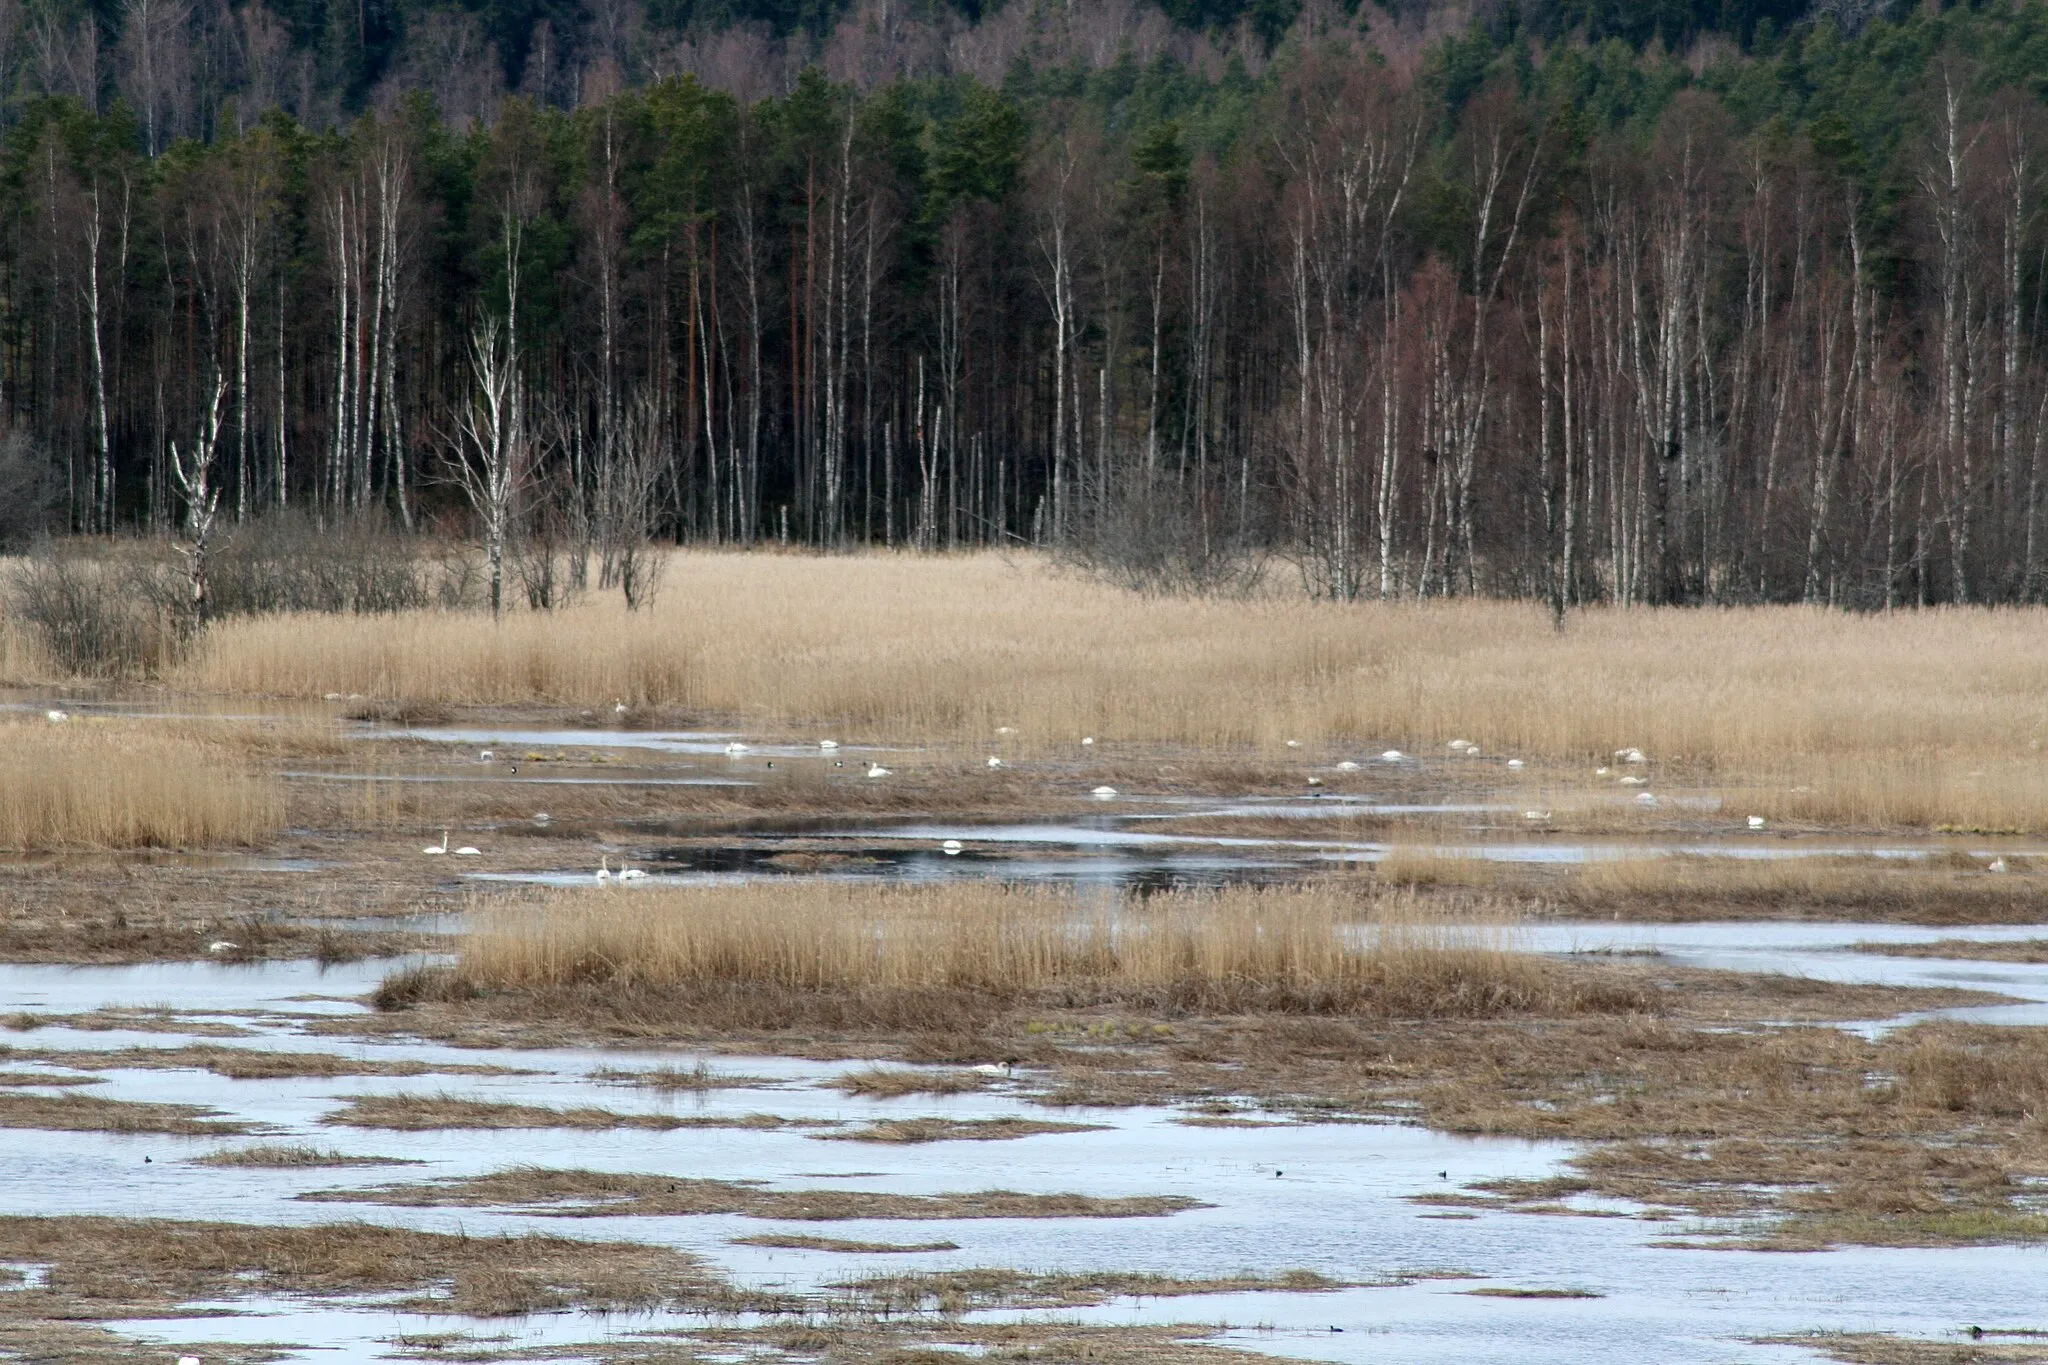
[1684,301]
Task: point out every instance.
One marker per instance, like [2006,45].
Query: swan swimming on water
[441,847]
[877,770]
[604,871]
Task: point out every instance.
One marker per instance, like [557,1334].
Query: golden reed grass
[94,783]
[1288,949]
[1916,718]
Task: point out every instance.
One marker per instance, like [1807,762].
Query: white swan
[222,945]
[618,707]
[1087,740]
[1392,756]
[994,762]
[1756,822]
[57,717]
[828,744]
[1459,746]
[604,871]
[1347,766]
[877,770]
[735,748]
[441,847]
[1516,763]
[951,848]
[631,874]
[469,851]
[1103,793]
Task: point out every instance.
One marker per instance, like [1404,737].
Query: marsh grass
[74,1113]
[593,1194]
[756,951]
[94,783]
[798,1241]
[101,1266]
[301,1157]
[953,1292]
[421,1113]
[886,1082]
[1944,887]
[953,1130]
[1805,713]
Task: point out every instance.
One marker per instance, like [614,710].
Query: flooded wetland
[358,1024]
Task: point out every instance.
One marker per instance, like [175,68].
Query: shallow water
[1329,1197]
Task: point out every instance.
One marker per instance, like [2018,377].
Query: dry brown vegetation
[834,954]
[1809,714]
[797,1241]
[289,1157]
[418,1113]
[243,1063]
[115,1267]
[591,1194]
[2017,950]
[93,783]
[1873,1348]
[1943,888]
[953,1130]
[73,1113]
[955,1292]
[888,1082]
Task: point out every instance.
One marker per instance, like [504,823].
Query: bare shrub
[102,611]
[287,561]
[1152,535]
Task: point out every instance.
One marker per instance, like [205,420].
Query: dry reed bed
[1917,718]
[1306,950]
[122,784]
[1942,889]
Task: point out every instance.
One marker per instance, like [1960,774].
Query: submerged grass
[799,1241]
[953,1292]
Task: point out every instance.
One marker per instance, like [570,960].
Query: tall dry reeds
[119,784]
[1916,718]
[1306,950]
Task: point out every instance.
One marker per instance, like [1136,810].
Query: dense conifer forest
[1664,302]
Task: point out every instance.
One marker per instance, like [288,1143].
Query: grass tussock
[1812,713]
[115,784]
[290,1158]
[901,953]
[892,1082]
[598,1194]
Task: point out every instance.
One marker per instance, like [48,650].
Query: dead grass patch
[591,1194]
[1502,1292]
[835,955]
[1875,1348]
[98,783]
[289,1157]
[420,1113]
[954,1292]
[953,1130]
[1964,949]
[111,1267]
[73,1113]
[797,1241]
[695,1078]
[881,1082]
[246,1063]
